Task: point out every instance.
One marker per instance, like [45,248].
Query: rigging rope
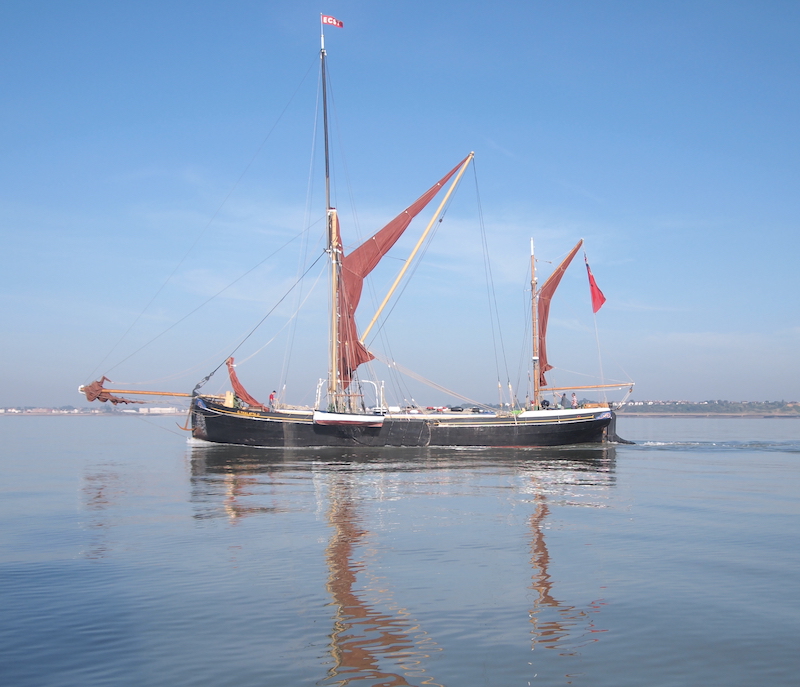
[199,235]
[263,319]
[494,312]
[428,382]
[208,300]
[288,322]
[287,353]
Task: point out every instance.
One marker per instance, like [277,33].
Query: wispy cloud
[500,149]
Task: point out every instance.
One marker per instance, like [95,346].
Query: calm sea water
[129,557]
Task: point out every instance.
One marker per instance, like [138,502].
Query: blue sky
[663,133]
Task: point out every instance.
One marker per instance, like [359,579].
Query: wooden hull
[216,423]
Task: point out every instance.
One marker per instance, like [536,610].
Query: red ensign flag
[332,21]
[597,295]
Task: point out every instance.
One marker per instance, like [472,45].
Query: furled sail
[238,388]
[358,264]
[96,392]
[543,310]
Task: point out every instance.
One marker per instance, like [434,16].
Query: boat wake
[769,446]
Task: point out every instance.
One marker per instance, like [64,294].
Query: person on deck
[574,400]
[272,400]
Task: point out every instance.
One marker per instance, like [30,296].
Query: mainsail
[545,295]
[358,264]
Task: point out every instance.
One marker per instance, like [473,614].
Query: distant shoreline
[29,413]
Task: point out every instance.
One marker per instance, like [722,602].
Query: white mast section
[535,329]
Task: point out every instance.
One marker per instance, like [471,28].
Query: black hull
[218,424]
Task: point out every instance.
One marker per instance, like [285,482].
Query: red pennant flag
[332,21]
[597,295]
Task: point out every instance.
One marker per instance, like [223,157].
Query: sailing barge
[340,418]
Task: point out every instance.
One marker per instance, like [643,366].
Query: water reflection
[373,639]
[583,482]
[555,633]
[102,488]
[569,464]
[364,638]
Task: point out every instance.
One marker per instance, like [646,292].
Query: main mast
[334,246]
[535,330]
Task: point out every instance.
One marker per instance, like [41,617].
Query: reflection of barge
[369,636]
[564,465]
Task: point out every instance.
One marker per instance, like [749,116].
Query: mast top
[330,21]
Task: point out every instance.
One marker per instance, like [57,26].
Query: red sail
[238,389]
[597,295]
[357,265]
[545,296]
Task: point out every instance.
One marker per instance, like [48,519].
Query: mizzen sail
[543,310]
